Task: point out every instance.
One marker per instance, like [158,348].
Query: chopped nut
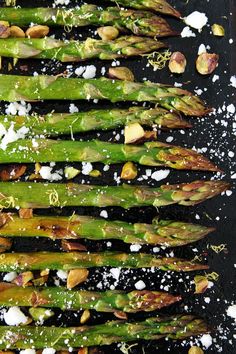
[12,172]
[4,29]
[218,30]
[150,135]
[85,316]
[76,277]
[121,315]
[129,171]
[121,73]
[206,63]
[108,33]
[40,314]
[25,213]
[37,31]
[23,279]
[44,272]
[5,244]
[71,172]
[195,350]
[72,246]
[177,63]
[133,133]
[17,32]
[95,173]
[83,351]
[40,281]
[201,284]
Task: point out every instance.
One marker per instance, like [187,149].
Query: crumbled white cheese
[49,351]
[231,108]
[73,108]
[140,285]
[233,81]
[135,248]
[62,274]
[61,2]
[28,351]
[215,78]
[87,167]
[159,175]
[186,32]
[104,214]
[90,72]
[115,272]
[16,108]
[10,135]
[206,340]
[10,276]
[196,20]
[14,316]
[231,311]
[201,49]
[79,71]
[46,173]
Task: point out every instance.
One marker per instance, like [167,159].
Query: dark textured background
[206,133]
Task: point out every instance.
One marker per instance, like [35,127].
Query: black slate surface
[220,212]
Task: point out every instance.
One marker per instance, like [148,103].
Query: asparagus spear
[108,301]
[74,260]
[164,232]
[42,87]
[39,195]
[54,124]
[139,22]
[161,6]
[173,327]
[149,154]
[66,51]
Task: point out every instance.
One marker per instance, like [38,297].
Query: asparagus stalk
[42,87]
[74,260]
[173,327]
[164,232]
[66,51]
[55,124]
[39,195]
[139,22]
[149,154]
[161,6]
[108,301]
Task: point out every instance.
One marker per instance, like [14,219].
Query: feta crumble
[196,20]
[14,316]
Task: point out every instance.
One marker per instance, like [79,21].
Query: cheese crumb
[196,20]
[206,340]
[14,316]
[135,248]
[49,351]
[46,173]
[140,285]
[186,32]
[10,276]
[28,351]
[159,175]
[231,311]
[62,274]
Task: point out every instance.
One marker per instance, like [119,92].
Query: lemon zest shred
[158,59]
[8,202]
[213,276]
[125,348]
[53,197]
[218,249]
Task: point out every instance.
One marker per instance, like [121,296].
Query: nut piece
[195,350]
[201,284]
[129,171]
[206,63]
[72,246]
[40,314]
[95,173]
[83,351]
[12,172]
[108,33]
[17,32]
[177,63]
[23,279]
[71,172]
[133,132]
[37,31]
[121,315]
[121,73]
[218,30]
[4,29]
[5,244]
[76,277]
[25,213]
[85,316]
